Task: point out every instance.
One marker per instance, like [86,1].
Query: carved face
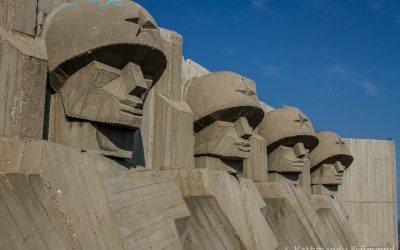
[102,66]
[328,174]
[104,94]
[288,161]
[226,140]
[101,71]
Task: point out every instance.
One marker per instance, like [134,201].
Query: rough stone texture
[191,69]
[167,127]
[22,88]
[208,227]
[223,96]
[19,16]
[94,195]
[102,205]
[335,220]
[46,6]
[255,167]
[146,206]
[29,216]
[236,202]
[136,40]
[266,107]
[295,220]
[368,193]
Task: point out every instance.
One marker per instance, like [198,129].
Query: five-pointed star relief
[303,121]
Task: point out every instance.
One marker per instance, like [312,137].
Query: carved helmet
[114,34]
[287,127]
[331,149]
[223,96]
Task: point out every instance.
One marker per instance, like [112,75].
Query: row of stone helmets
[111,56]
[227,111]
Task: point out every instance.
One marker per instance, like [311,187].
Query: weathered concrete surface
[136,40]
[234,202]
[208,227]
[109,207]
[255,167]
[30,219]
[191,69]
[60,197]
[23,75]
[146,207]
[295,221]
[336,220]
[368,192]
[19,16]
[103,205]
[223,96]
[166,131]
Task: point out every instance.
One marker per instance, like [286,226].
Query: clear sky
[338,61]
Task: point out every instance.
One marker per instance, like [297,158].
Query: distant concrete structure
[369,192]
[109,139]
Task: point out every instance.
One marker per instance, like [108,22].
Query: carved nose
[243,128]
[300,150]
[339,167]
[134,80]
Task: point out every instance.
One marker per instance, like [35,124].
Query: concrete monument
[110,140]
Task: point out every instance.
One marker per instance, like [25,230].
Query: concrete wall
[369,191]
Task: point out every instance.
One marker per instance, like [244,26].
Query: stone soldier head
[290,137]
[328,163]
[103,58]
[226,111]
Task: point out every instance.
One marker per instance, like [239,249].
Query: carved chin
[333,180]
[241,153]
[115,141]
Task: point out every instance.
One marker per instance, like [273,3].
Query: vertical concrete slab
[24,18]
[19,16]
[3,13]
[22,87]
[255,168]
[167,125]
[191,70]
[369,191]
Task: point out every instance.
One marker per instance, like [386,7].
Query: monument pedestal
[291,211]
[64,198]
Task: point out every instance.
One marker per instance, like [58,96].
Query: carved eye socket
[145,25]
[133,20]
[149,25]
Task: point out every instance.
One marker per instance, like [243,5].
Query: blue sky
[338,61]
